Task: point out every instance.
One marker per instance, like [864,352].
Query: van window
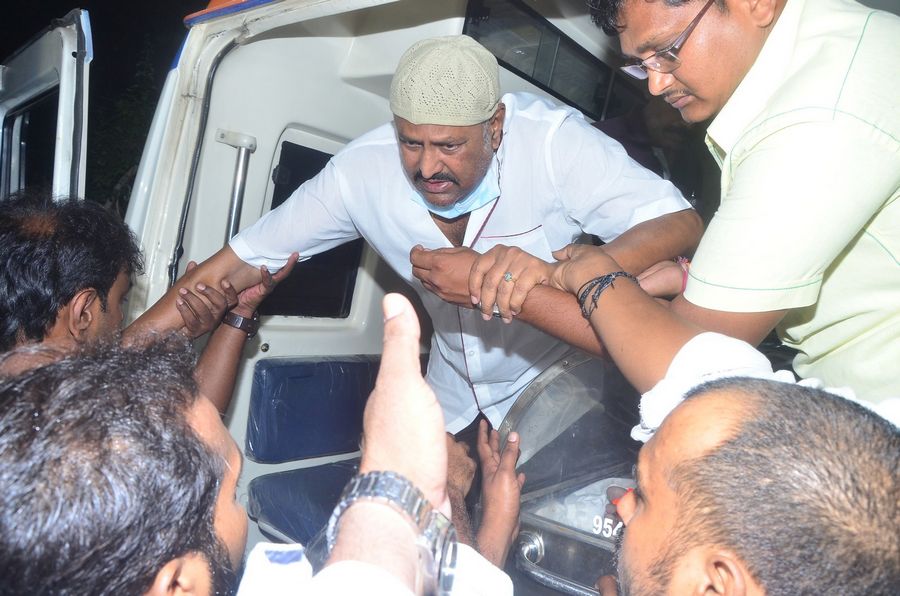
[29,142]
[323,285]
[528,45]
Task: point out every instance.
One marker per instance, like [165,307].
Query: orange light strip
[213,6]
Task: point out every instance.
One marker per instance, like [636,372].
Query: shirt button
[471,352]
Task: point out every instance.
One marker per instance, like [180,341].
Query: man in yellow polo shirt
[805,101]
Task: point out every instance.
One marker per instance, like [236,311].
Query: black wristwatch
[248,325]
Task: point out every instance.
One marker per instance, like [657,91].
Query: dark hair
[103,480]
[49,251]
[806,493]
[605,13]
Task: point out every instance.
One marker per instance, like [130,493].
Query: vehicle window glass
[527,44]
[321,286]
[29,142]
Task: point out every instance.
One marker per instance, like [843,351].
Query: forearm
[641,335]
[751,327]
[374,533]
[557,313]
[656,240]
[164,316]
[494,540]
[217,367]
[460,518]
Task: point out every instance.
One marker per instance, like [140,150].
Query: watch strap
[436,537]
[249,325]
[385,487]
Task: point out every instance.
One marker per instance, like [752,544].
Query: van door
[43,109]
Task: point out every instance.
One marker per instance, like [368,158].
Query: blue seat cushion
[308,407]
[297,504]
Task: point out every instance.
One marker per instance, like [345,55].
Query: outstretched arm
[641,335]
[655,240]
[164,315]
[447,273]
[524,294]
[403,432]
[516,281]
[217,367]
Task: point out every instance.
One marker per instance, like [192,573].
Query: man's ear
[187,575]
[763,13]
[75,317]
[497,125]
[83,310]
[726,575]
[716,572]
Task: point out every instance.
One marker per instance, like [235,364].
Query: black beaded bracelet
[595,287]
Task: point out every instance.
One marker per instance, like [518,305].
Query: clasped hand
[465,278]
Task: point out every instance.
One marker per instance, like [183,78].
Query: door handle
[530,552]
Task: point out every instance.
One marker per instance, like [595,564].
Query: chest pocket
[532,241]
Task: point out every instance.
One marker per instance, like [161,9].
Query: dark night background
[134,45]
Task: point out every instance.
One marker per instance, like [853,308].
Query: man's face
[446,163]
[648,563]
[714,59]
[108,323]
[230,515]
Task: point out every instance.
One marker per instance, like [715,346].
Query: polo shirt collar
[759,84]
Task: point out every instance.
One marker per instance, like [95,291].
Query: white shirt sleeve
[600,186]
[476,576]
[282,570]
[312,220]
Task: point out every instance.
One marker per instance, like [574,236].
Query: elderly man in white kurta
[461,166]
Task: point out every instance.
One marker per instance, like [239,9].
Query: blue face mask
[484,193]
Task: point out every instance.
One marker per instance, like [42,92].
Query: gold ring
[508,276]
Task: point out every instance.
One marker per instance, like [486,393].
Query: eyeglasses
[664,61]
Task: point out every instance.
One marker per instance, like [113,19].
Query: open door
[43,109]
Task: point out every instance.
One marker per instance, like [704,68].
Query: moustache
[675,95]
[439,177]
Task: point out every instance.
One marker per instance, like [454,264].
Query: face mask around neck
[486,191]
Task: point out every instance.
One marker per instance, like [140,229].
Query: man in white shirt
[463,169]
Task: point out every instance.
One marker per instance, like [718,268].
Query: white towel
[710,356]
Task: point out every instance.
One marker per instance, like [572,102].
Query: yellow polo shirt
[809,145]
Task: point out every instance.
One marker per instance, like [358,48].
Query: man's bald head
[801,485]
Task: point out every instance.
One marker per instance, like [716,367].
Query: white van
[259,97]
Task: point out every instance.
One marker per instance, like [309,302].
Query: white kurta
[559,178]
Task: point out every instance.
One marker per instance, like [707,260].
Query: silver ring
[508,276]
